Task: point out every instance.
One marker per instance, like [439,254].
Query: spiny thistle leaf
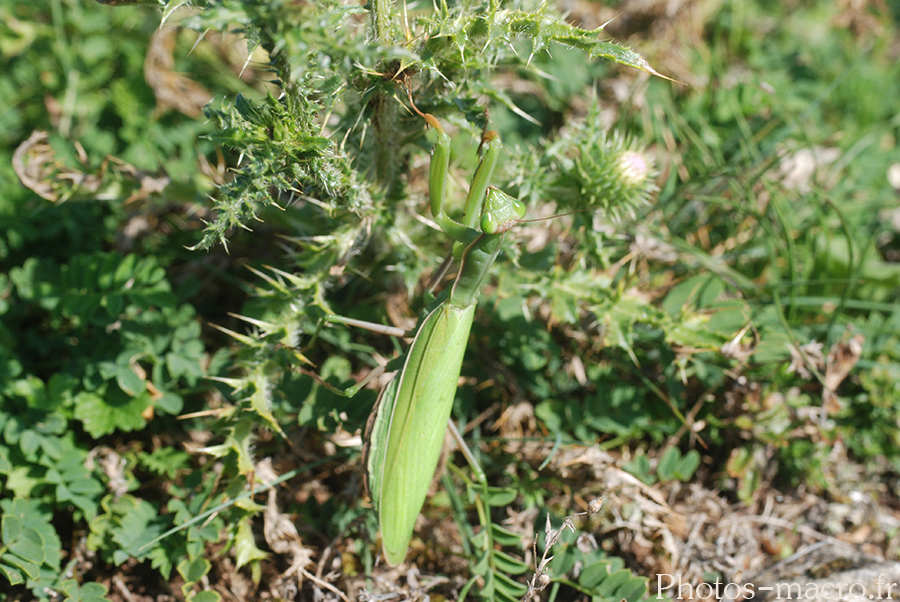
[466,40]
[283,153]
[624,56]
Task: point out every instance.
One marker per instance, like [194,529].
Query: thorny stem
[387,160]
[382,11]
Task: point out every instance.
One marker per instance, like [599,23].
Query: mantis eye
[501,212]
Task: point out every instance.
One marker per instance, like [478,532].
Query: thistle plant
[336,148]
[336,141]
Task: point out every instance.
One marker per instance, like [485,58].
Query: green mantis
[406,430]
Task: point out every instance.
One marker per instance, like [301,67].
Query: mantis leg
[466,232]
[467,453]
[375,372]
[474,208]
[349,391]
[392,331]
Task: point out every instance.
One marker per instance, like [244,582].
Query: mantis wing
[405,432]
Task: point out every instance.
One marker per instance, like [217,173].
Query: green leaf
[504,537]
[31,544]
[53,447]
[193,571]
[169,403]
[32,389]
[623,56]
[59,390]
[138,524]
[185,363]
[239,440]
[510,587]
[594,573]
[508,564]
[501,496]
[113,302]
[633,590]
[129,381]
[479,540]
[639,466]
[124,271]
[748,484]
[687,466]
[89,592]
[115,411]
[694,293]
[22,482]
[13,575]
[28,546]
[245,545]
[667,464]
[616,580]
[165,461]
[31,570]
[5,465]
[29,442]
[75,483]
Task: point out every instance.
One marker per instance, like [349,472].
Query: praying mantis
[406,429]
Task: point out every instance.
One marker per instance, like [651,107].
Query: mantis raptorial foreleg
[406,429]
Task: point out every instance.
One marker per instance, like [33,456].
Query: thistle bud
[634,167]
[590,168]
[613,173]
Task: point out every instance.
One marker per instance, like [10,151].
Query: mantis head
[501,212]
